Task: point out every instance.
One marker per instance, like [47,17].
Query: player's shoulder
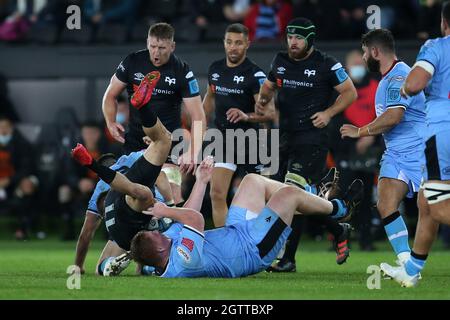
[139,55]
[178,63]
[398,73]
[327,60]
[252,66]
[281,56]
[437,42]
[218,65]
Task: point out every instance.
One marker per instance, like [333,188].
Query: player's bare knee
[385,209]
[218,193]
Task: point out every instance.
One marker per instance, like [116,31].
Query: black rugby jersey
[304,87]
[177,81]
[234,88]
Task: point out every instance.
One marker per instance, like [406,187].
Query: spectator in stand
[99,12]
[6,106]
[18,182]
[429,13]
[267,19]
[358,159]
[236,10]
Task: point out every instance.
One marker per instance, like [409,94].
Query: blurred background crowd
[121,21]
[42,190]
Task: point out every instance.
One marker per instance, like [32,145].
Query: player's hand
[205,169]
[117,131]
[320,119]
[235,115]
[147,140]
[187,163]
[156,211]
[350,131]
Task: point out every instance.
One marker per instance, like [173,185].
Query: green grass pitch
[37,270]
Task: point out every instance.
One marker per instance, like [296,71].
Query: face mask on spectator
[357,72]
[121,117]
[5,139]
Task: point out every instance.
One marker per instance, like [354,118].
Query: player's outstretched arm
[383,123]
[416,81]
[109,108]
[91,224]
[203,176]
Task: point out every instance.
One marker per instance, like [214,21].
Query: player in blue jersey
[256,228]
[402,122]
[93,218]
[432,73]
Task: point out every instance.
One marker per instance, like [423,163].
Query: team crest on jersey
[238,79]
[170,80]
[138,76]
[310,72]
[215,76]
[281,70]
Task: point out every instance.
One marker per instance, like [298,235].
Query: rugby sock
[415,263]
[339,209]
[294,238]
[397,232]
[311,189]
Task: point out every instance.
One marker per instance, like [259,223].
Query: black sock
[294,238]
[391,218]
[419,256]
[331,225]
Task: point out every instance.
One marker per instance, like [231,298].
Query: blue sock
[397,232]
[101,266]
[339,209]
[311,189]
[415,263]
[147,270]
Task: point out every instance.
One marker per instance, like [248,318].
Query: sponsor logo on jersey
[310,72]
[215,76]
[238,79]
[162,91]
[341,75]
[121,67]
[188,243]
[281,70]
[183,254]
[393,95]
[190,74]
[170,80]
[226,91]
[295,84]
[193,86]
[138,76]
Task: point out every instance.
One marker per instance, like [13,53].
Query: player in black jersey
[305,79]
[233,86]
[177,84]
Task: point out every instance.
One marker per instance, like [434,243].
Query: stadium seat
[43,34]
[111,33]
